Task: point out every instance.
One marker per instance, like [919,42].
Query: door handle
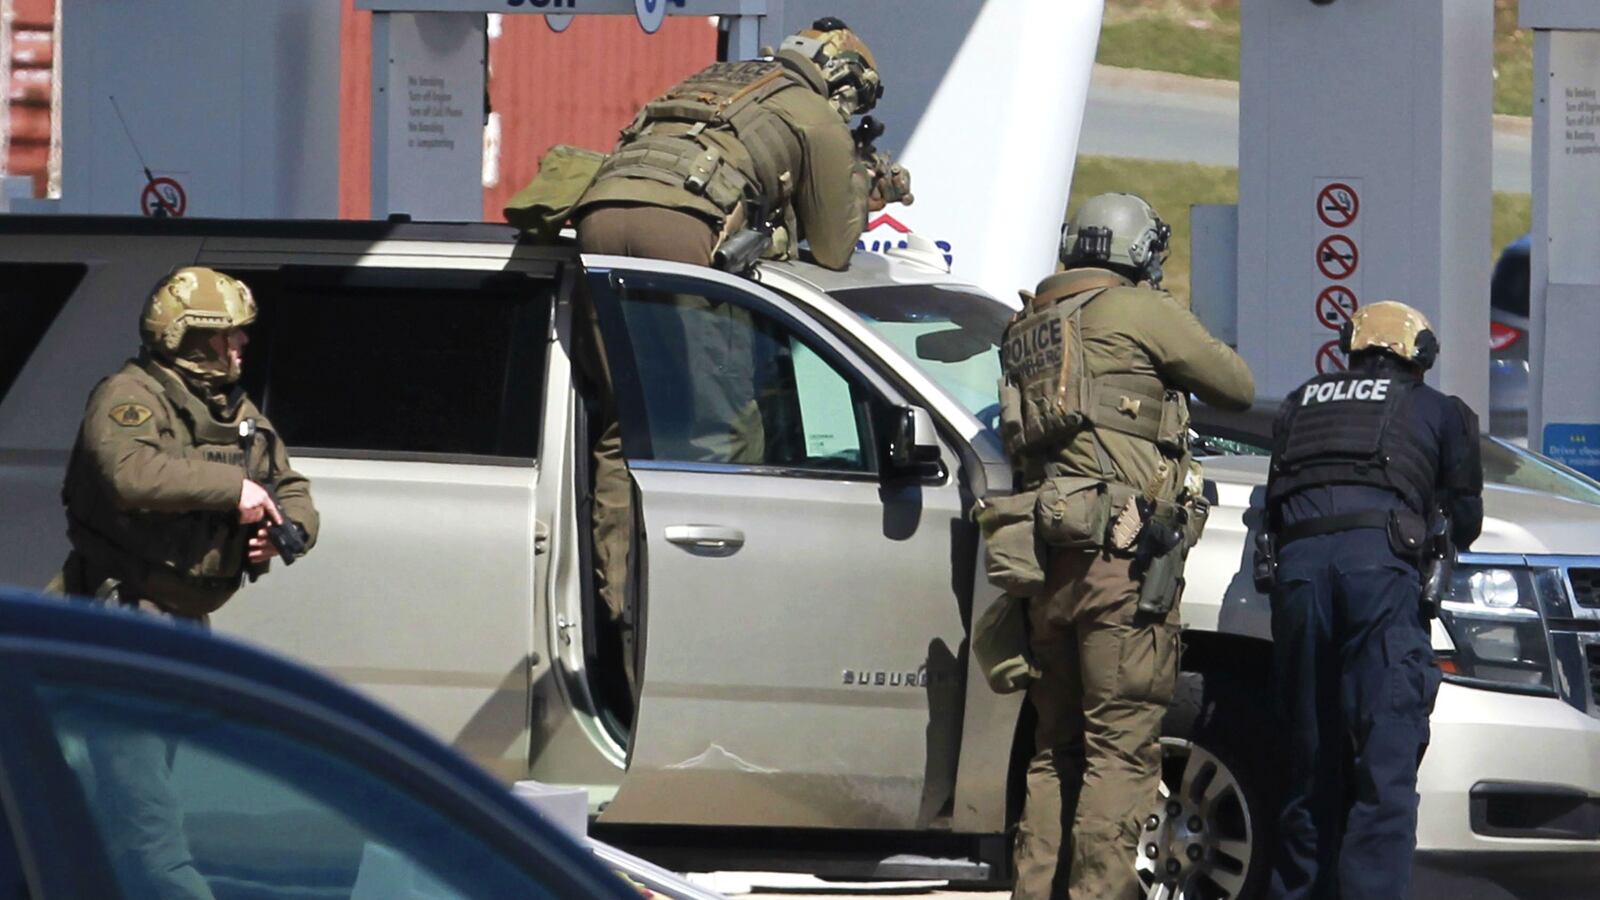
[706,537]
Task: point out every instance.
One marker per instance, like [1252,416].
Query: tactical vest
[190,562]
[1352,428]
[712,136]
[1055,399]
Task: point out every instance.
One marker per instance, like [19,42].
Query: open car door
[802,620]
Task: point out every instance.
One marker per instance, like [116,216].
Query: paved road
[1148,115]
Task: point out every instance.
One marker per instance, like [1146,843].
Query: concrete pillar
[1364,175]
[1564,288]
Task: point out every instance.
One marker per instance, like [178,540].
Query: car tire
[1218,773]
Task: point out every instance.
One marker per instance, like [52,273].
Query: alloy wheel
[1197,844]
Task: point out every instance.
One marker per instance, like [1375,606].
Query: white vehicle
[804,694]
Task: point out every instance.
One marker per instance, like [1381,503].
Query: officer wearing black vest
[1362,461]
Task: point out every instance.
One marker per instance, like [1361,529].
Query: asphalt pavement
[1154,115]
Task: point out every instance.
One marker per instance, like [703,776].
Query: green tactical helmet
[191,300]
[1120,230]
[843,62]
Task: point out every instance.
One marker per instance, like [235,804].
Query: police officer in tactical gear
[762,144]
[1097,369]
[739,148]
[171,492]
[1361,461]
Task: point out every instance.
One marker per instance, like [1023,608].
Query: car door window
[193,802]
[400,362]
[702,379]
[12,882]
[31,296]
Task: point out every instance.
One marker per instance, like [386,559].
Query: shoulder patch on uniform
[130,415]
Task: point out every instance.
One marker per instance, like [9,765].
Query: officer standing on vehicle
[1097,367]
[1363,460]
[176,489]
[754,144]
[735,153]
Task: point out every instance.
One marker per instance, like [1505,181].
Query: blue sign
[1575,446]
[652,13]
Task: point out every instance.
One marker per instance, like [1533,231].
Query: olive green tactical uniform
[678,184]
[1107,670]
[152,493]
[776,149]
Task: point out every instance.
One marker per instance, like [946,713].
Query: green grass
[1169,187]
[1174,187]
[1171,45]
[1201,38]
[1513,217]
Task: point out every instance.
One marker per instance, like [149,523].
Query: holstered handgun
[1438,565]
[1158,556]
[1264,562]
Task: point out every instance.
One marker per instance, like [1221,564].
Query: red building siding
[28,90]
[577,87]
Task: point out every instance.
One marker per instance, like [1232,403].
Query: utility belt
[125,578]
[1422,542]
[1071,513]
[1078,513]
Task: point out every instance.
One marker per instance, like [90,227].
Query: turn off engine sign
[1336,289]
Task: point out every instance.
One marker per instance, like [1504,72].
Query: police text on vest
[1333,391]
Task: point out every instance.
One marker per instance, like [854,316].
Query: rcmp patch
[130,415]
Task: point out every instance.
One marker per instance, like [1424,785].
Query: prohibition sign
[1335,305]
[1337,257]
[163,197]
[1329,359]
[1337,205]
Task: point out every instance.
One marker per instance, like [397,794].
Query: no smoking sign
[1338,204]
[163,198]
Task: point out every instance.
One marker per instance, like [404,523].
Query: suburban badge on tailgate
[865,678]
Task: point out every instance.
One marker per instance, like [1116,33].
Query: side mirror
[913,444]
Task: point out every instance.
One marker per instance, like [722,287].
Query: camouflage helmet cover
[1394,327]
[189,299]
[1121,229]
[845,63]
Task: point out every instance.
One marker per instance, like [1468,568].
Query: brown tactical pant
[1108,676]
[651,232]
[655,232]
[138,813]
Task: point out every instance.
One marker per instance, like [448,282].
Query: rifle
[739,253]
[891,182]
[866,134]
[1438,564]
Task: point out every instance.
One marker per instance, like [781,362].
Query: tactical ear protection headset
[850,73]
[1147,248]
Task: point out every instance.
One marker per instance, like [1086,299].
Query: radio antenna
[162,208]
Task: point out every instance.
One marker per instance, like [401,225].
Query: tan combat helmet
[1119,229]
[195,299]
[1394,327]
[842,59]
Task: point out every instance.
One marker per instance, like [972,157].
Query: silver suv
[804,695]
